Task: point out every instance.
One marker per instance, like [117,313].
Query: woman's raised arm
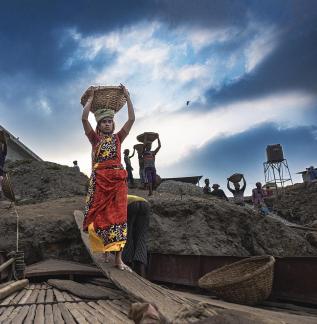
[84,118]
[131,117]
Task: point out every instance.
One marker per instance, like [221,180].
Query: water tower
[276,170]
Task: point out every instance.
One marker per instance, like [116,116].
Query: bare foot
[123,267]
[107,257]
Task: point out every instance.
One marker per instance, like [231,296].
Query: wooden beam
[141,289]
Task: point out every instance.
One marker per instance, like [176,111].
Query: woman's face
[106,125]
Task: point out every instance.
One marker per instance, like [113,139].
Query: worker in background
[75,166]
[128,165]
[219,193]
[207,189]
[237,192]
[149,164]
[135,251]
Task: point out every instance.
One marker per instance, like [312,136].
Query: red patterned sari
[106,204]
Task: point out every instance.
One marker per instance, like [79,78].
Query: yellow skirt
[97,245]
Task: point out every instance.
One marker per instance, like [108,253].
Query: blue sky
[248,68]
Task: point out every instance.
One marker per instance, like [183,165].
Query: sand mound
[298,204]
[35,181]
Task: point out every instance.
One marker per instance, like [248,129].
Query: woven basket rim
[84,98]
[271,261]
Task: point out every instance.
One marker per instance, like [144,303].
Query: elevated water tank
[274,153]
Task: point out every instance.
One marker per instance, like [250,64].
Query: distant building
[16,149]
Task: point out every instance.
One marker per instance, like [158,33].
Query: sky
[248,68]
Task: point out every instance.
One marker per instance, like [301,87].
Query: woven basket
[147,137]
[237,177]
[139,147]
[110,97]
[248,281]
[7,188]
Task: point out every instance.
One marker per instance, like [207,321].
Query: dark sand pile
[35,181]
[298,204]
[182,221]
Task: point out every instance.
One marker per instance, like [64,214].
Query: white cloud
[263,43]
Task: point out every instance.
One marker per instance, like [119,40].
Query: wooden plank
[57,315]
[41,296]
[67,296]
[39,315]
[30,315]
[167,302]
[82,290]
[53,267]
[19,319]
[25,297]
[7,300]
[88,314]
[58,295]
[6,313]
[33,296]
[123,304]
[12,315]
[76,314]
[111,317]
[48,314]
[67,317]
[95,315]
[119,308]
[110,293]
[118,315]
[49,296]
[19,296]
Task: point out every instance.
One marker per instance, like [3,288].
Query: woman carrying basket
[106,206]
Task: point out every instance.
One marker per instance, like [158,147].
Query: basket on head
[111,97]
[237,177]
[138,147]
[147,137]
[248,281]
[7,188]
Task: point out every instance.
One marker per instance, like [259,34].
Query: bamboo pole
[11,288]
[6,264]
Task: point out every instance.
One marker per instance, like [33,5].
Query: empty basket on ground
[110,97]
[147,137]
[248,281]
[237,177]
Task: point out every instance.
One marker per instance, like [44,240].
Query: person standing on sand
[149,164]
[207,189]
[128,165]
[75,166]
[237,192]
[105,215]
[219,193]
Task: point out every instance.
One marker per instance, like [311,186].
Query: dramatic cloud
[239,63]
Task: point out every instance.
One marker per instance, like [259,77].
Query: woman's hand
[125,91]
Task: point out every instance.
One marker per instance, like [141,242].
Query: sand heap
[298,204]
[183,221]
[211,226]
[36,181]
